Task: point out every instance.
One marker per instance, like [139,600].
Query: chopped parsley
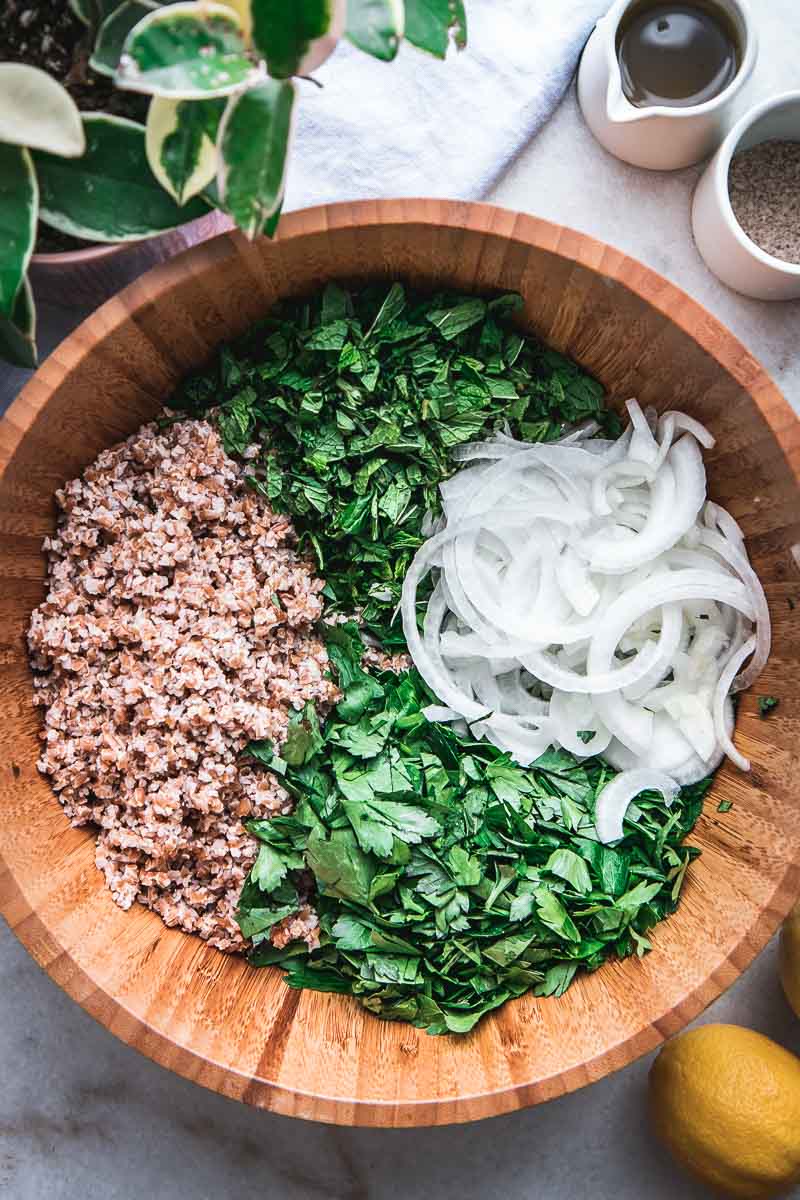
[448,878]
[766,705]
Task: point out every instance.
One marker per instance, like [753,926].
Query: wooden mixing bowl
[242,1031]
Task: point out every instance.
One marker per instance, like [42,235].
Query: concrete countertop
[83,1117]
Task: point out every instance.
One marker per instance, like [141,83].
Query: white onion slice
[737,559]
[426,656]
[644,447]
[545,667]
[678,495]
[721,696]
[616,796]
[556,561]
[440,713]
[668,645]
[695,722]
[680,420]
[574,714]
[575,582]
[661,588]
[611,478]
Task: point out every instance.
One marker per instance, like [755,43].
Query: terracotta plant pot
[84,279]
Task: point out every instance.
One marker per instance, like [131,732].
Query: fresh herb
[448,878]
[766,704]
[357,401]
[724,806]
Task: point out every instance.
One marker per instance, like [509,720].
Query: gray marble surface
[83,1117]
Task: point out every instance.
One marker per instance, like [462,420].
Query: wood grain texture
[241,1031]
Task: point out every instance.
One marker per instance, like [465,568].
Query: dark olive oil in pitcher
[676,54]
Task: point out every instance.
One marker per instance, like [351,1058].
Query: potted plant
[126,120]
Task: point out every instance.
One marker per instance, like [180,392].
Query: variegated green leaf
[36,111]
[181,144]
[109,195]
[253,143]
[19,202]
[376,26]
[430,24]
[113,32]
[18,332]
[271,224]
[187,51]
[295,38]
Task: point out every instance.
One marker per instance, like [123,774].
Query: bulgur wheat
[178,626]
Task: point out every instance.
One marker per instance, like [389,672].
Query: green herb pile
[447,879]
[359,400]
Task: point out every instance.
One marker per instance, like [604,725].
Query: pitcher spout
[619,109]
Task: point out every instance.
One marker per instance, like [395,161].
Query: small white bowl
[722,242]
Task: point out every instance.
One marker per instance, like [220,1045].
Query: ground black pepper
[764,187]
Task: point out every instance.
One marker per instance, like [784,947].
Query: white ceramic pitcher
[660,137]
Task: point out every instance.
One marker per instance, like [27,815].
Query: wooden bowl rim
[711,336]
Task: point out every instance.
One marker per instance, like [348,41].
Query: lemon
[790,958]
[726,1101]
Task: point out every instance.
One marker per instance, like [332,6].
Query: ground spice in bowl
[764,188]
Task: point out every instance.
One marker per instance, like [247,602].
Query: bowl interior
[242,1031]
[780,122]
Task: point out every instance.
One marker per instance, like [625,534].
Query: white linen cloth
[422,127]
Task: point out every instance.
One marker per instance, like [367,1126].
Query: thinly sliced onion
[737,559]
[680,420]
[695,722]
[666,434]
[575,582]
[545,667]
[425,654]
[721,696]
[525,745]
[678,496]
[517,700]
[662,588]
[571,715]
[644,447]
[439,712]
[614,476]
[668,645]
[587,430]
[470,645]
[589,587]
[670,752]
[632,724]
[616,796]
